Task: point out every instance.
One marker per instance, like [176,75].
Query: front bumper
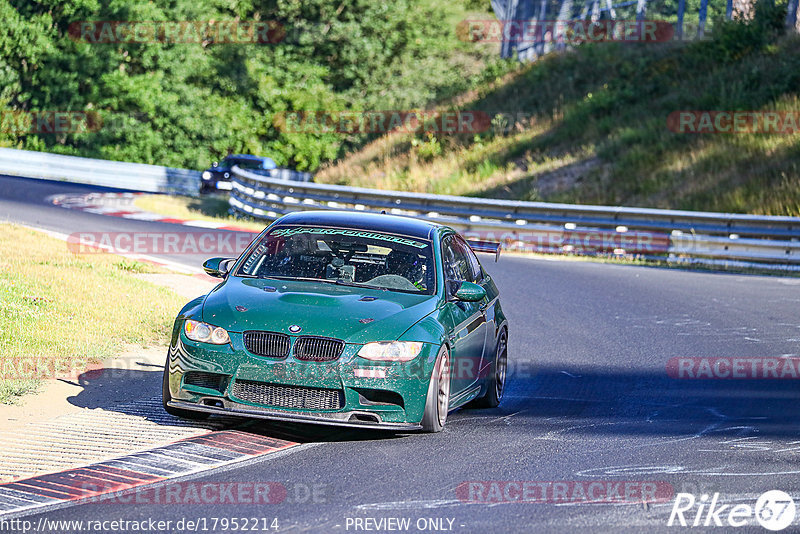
[358,380]
[348,419]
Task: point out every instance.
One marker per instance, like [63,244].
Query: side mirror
[218,267]
[215,164]
[470,292]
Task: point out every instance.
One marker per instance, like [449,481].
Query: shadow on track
[604,401]
[119,389]
[598,401]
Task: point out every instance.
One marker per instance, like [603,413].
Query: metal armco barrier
[292,175]
[117,174]
[714,238]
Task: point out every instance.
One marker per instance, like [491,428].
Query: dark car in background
[218,176]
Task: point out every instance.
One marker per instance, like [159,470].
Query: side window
[249,165]
[472,260]
[456,263]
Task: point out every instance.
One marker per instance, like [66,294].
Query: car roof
[245,156]
[377,222]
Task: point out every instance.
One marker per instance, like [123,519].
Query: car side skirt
[465,397]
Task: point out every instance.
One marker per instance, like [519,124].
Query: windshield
[244,163]
[343,256]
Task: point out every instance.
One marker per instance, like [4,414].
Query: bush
[186,105]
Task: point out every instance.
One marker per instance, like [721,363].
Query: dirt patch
[53,396]
[544,184]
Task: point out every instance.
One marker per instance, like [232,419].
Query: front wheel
[497,381]
[166,396]
[437,402]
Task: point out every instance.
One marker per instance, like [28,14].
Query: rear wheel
[166,396]
[497,380]
[437,402]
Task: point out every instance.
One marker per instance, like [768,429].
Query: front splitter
[333,418]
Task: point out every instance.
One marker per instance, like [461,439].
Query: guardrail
[743,240]
[689,236]
[116,174]
[291,175]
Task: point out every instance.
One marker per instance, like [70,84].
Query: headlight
[205,333]
[394,351]
[206,175]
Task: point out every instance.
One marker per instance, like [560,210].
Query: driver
[407,265]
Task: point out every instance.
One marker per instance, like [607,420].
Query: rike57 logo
[774,510]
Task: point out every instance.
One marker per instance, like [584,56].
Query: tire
[437,401]
[497,382]
[166,396]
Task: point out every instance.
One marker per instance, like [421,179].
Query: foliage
[186,104]
[590,126]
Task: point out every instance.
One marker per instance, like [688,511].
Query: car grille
[205,380]
[318,349]
[300,397]
[269,344]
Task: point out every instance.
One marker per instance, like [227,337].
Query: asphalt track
[589,398]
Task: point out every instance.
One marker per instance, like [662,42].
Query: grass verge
[591,127]
[70,310]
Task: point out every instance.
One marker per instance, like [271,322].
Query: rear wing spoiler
[490,247]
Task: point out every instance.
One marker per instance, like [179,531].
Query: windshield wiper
[298,278]
[340,282]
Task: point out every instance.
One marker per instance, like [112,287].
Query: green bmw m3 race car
[342,318]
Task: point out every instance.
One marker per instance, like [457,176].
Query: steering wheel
[392,281]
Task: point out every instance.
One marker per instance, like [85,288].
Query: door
[467,320]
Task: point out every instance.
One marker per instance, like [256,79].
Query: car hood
[357,315]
